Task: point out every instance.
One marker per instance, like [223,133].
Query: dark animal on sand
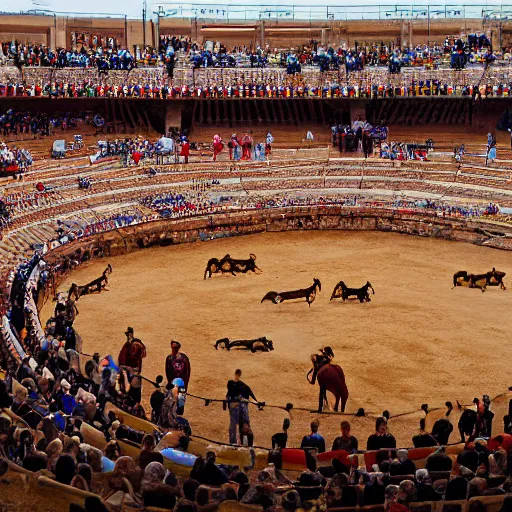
[481,281]
[495,278]
[308,293]
[342,291]
[254,345]
[227,264]
[97,285]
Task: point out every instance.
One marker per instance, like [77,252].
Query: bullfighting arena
[418,341]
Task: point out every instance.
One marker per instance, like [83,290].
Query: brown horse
[330,378]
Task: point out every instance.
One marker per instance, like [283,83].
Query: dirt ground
[417,342]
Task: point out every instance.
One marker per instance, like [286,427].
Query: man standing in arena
[177,365]
[238,395]
[133,351]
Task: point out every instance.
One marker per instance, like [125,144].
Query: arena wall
[176,231]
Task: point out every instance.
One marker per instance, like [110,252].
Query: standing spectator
[177,365]
[314,439]
[345,441]
[185,149]
[133,351]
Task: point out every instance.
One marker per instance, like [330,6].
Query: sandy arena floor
[417,342]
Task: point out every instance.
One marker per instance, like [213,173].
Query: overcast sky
[133,8]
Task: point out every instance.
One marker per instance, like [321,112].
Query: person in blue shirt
[314,440]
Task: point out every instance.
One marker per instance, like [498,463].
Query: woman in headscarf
[156,493]
[120,493]
[126,467]
[218,146]
[153,474]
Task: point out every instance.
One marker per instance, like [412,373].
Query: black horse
[262,344]
[495,278]
[342,291]
[97,285]
[230,265]
[308,293]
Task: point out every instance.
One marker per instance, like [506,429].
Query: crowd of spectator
[38,55]
[18,122]
[475,48]
[363,88]
[13,159]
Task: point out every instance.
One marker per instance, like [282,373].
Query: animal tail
[269,296]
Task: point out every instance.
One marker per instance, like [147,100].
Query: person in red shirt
[177,365]
[502,441]
[133,351]
[185,150]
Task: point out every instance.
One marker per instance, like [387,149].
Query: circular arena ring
[417,342]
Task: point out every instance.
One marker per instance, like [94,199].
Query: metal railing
[430,11]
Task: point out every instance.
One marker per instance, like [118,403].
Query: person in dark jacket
[382,438]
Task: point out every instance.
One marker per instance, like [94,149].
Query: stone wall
[170,232]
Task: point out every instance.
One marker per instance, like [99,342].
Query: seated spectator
[438,461]
[424,489]
[65,469]
[189,488]
[155,493]
[477,487]
[469,457]
[32,459]
[120,493]
[374,491]
[382,438]
[456,489]
[280,439]
[406,492]
[391,504]
[407,466]
[148,453]
[185,505]
[346,441]
[314,439]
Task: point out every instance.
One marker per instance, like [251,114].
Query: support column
[262,34]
